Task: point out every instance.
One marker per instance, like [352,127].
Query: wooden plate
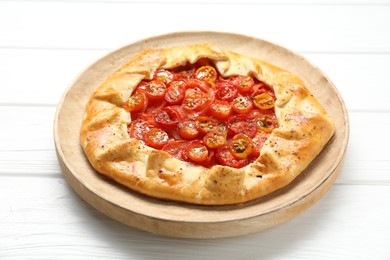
[191,221]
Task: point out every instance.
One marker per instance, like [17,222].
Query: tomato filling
[196,115]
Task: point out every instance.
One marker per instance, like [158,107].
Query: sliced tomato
[195,100]
[137,129]
[214,139]
[176,149]
[222,129]
[241,146]
[226,91]
[155,90]
[255,113]
[140,126]
[148,119]
[175,92]
[175,111]
[242,104]
[210,161]
[202,85]
[154,107]
[266,123]
[184,75]
[156,138]
[207,73]
[207,124]
[163,75]
[244,83]
[241,124]
[265,120]
[225,157]
[136,103]
[264,101]
[166,118]
[261,88]
[188,129]
[258,142]
[220,109]
[205,111]
[197,151]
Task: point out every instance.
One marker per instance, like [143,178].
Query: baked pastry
[203,125]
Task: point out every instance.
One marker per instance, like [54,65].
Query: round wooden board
[192,221]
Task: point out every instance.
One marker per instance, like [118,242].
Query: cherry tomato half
[176,149]
[226,91]
[242,105]
[165,76]
[244,83]
[195,100]
[155,89]
[225,157]
[210,161]
[207,124]
[255,113]
[264,101]
[202,85]
[220,109]
[241,146]
[175,92]
[184,74]
[140,126]
[137,129]
[166,118]
[258,142]
[214,139]
[156,138]
[261,88]
[266,123]
[197,151]
[136,103]
[241,124]
[206,73]
[188,129]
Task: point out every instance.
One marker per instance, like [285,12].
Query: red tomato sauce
[196,115]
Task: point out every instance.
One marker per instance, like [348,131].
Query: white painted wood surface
[45,44]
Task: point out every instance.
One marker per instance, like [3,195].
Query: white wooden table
[45,44]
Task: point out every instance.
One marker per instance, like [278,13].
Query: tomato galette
[203,125]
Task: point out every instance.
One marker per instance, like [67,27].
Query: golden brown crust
[304,129]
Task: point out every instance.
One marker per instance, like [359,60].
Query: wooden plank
[60,68]
[18,122]
[330,28]
[35,155]
[44,217]
[57,69]
[27,145]
[360,78]
[367,158]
